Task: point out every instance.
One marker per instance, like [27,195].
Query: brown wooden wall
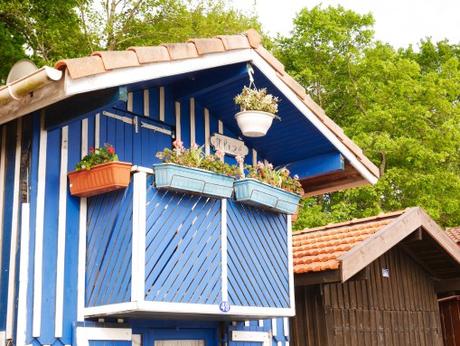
[399,310]
[450,320]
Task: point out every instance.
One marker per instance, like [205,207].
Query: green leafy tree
[46,31]
[402,107]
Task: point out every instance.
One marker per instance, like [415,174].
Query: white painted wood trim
[129,103]
[146,103]
[138,241]
[136,340]
[97,129]
[185,308]
[60,259]
[224,252]
[10,312]
[2,338]
[261,323]
[162,103]
[21,324]
[2,187]
[270,73]
[247,323]
[274,327]
[39,219]
[147,72]
[142,169]
[254,157]
[86,334]
[250,336]
[207,133]
[286,327]
[220,127]
[192,122]
[290,262]
[178,127]
[82,229]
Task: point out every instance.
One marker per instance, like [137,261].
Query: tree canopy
[402,107]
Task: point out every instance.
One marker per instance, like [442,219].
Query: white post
[138,240]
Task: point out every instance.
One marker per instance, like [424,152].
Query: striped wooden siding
[182,248]
[277,327]
[110,343]
[109,234]
[258,272]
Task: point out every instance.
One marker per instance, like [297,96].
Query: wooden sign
[228,145]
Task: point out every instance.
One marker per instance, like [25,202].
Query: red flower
[111,150]
[91,150]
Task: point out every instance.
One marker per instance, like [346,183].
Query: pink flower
[194,146]
[220,154]
[91,150]
[111,150]
[178,144]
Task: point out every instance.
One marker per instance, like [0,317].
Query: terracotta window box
[100,179]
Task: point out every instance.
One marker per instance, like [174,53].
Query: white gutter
[27,84]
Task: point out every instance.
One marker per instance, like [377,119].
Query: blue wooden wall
[139,148]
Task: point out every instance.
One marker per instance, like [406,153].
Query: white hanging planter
[254,123]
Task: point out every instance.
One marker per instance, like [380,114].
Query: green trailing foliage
[252,99]
[402,107]
[96,157]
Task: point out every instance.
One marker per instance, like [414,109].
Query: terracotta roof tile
[81,67]
[232,42]
[208,45]
[319,249]
[268,57]
[179,51]
[454,234]
[113,59]
[254,38]
[151,54]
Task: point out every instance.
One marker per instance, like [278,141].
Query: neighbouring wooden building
[372,281]
[145,265]
[449,303]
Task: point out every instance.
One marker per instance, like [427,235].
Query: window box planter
[194,180]
[254,192]
[100,179]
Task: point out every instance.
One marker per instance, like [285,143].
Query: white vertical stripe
[136,340]
[274,327]
[247,323]
[224,253]
[146,103]
[129,104]
[97,126]
[60,268]
[178,128]
[138,242]
[162,103]
[291,262]
[82,230]
[220,127]
[254,157]
[2,186]
[261,323]
[10,312]
[192,121]
[207,133]
[21,326]
[286,326]
[40,210]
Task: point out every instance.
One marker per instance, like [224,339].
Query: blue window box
[194,180]
[254,192]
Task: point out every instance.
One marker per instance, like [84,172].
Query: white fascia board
[147,72]
[186,309]
[270,73]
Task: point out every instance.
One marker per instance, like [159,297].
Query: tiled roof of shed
[454,234]
[100,62]
[318,249]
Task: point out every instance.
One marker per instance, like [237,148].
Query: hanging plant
[258,109]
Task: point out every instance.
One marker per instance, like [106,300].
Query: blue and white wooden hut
[140,266]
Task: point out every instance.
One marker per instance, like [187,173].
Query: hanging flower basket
[259,194]
[195,180]
[100,179]
[254,123]
[258,109]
